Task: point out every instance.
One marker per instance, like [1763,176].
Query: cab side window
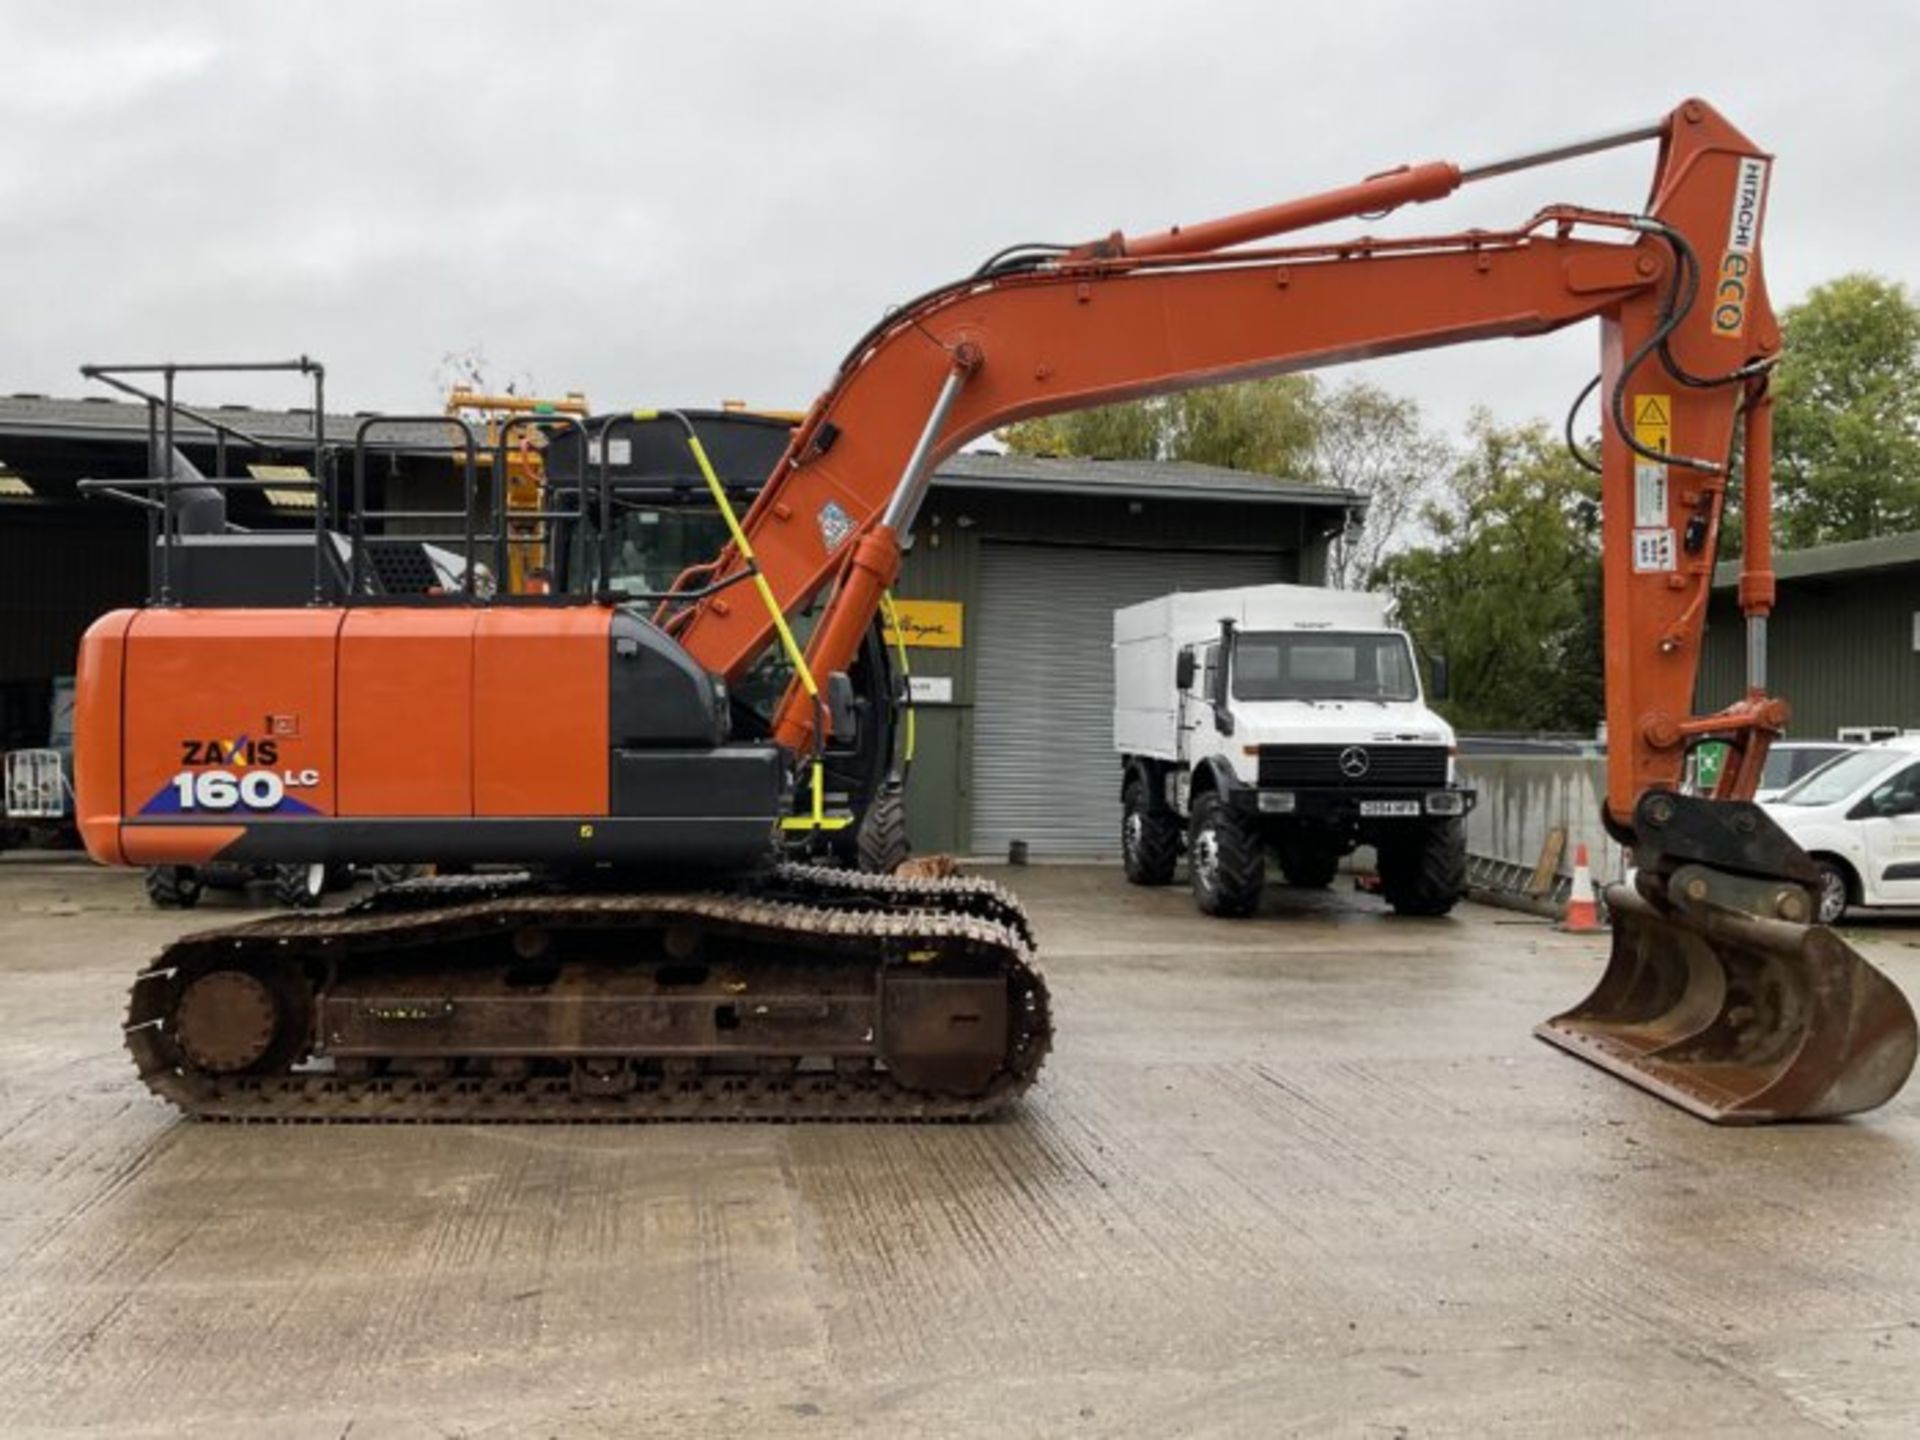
[1209,658]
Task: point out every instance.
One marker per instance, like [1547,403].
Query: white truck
[1286,718]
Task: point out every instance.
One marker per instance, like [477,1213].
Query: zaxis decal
[223,775]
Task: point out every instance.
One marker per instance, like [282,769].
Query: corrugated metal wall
[1044,768]
[1840,649]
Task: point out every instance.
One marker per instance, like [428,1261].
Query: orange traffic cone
[1582,916]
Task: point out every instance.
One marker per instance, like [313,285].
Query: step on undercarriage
[807,994]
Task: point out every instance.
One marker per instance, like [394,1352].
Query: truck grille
[1387,765]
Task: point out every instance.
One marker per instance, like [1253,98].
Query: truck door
[1890,821]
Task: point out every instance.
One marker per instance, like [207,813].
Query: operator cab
[662,520]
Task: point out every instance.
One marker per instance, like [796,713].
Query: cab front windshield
[1831,784]
[1322,665]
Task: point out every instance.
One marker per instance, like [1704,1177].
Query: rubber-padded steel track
[926,926]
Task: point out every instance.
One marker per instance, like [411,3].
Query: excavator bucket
[1738,1019]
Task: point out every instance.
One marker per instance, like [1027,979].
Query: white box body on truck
[1282,719]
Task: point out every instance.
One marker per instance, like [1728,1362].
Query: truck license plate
[1389,807]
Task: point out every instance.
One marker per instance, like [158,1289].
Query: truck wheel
[883,834]
[299,887]
[395,873]
[1423,868]
[173,887]
[1149,839]
[1226,862]
[1309,869]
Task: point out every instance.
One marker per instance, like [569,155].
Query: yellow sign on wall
[930,624]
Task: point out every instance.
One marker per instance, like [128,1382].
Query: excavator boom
[1119,318]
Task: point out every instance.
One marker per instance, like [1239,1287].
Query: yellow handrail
[888,609]
[818,819]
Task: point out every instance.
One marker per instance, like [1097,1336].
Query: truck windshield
[1322,665]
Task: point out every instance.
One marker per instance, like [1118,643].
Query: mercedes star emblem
[1354,762]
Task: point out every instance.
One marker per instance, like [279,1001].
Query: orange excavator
[654,959]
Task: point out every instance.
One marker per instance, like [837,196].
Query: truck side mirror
[1439,678]
[1183,669]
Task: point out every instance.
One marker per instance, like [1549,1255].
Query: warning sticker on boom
[1649,493]
[1653,422]
[1652,551]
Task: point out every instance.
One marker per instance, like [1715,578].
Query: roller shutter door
[1044,770]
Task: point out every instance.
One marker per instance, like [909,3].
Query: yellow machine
[526,470]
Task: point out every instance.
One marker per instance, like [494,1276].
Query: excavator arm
[1718,997]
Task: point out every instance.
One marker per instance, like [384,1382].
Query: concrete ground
[1308,1174]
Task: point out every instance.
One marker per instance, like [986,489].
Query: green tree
[1375,444]
[1136,430]
[1508,588]
[1266,426]
[1847,413]
[1355,436]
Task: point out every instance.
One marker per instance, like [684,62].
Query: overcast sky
[680,203]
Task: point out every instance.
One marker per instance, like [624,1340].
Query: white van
[1859,818]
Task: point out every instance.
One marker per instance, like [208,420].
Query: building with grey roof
[1843,643]
[1014,570]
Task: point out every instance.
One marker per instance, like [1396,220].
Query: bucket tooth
[1740,1020]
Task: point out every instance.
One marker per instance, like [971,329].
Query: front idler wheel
[237,1022]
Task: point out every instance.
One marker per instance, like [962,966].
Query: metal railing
[483,525]
[163,432]
[360,573]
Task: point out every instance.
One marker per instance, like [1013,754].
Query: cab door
[1889,819]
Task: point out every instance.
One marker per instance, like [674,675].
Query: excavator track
[807,994]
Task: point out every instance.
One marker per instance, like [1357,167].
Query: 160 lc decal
[227,775]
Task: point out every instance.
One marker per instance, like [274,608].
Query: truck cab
[1289,721]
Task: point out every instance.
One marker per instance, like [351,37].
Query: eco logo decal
[1743,233]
